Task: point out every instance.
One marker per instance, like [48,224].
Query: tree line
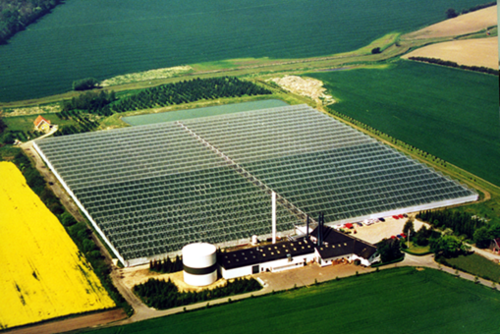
[451,13]
[16,15]
[92,102]
[459,222]
[162,294]
[448,63]
[166,265]
[189,91]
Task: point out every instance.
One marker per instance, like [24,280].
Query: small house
[42,124]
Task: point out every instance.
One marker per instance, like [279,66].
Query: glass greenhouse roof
[152,189]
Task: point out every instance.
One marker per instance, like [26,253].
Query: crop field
[470,52]
[96,39]
[43,275]
[453,113]
[177,115]
[401,300]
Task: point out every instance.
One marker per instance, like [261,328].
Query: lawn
[418,250]
[450,113]
[390,301]
[477,265]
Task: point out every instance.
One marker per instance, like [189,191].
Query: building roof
[262,254]
[39,120]
[336,244]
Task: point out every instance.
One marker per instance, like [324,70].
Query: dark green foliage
[451,13]
[409,227]
[482,237]
[376,50]
[447,246]
[421,237]
[389,250]
[3,126]
[478,7]
[15,15]
[162,294]
[459,222]
[92,102]
[85,84]
[166,265]
[448,63]
[189,91]
[9,138]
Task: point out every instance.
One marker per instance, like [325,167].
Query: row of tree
[16,15]
[451,13]
[448,63]
[162,294]
[85,124]
[166,265]
[189,91]
[459,222]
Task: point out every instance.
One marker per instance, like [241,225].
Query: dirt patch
[470,52]
[85,321]
[461,25]
[161,73]
[132,276]
[420,269]
[306,87]
[13,112]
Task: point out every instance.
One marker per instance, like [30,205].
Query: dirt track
[91,320]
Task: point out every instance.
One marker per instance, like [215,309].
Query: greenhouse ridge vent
[150,190]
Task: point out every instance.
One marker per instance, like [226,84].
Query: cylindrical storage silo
[200,264]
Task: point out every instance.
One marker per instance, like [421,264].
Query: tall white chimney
[273,199]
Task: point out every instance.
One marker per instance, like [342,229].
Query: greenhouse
[149,190]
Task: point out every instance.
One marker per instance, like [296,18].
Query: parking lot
[380,230]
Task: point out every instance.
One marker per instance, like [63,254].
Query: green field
[401,300]
[172,116]
[476,265]
[98,38]
[452,114]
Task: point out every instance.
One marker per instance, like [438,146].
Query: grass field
[98,39]
[401,300]
[43,274]
[449,113]
[476,265]
[202,112]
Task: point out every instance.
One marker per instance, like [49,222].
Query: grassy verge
[381,302]
[476,265]
[415,249]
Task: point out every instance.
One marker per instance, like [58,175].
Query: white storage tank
[200,264]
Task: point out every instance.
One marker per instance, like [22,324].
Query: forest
[16,15]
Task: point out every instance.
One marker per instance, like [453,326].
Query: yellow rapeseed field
[42,274]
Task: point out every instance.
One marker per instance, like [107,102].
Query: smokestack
[273,200]
[320,230]
[307,227]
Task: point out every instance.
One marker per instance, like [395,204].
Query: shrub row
[447,63]
[162,294]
